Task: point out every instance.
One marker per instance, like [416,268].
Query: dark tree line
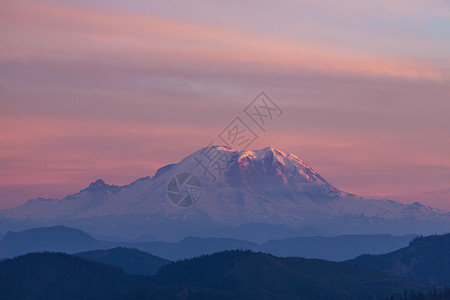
[443,294]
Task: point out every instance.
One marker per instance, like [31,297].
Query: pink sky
[117,89]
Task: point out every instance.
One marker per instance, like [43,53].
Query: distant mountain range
[236,274]
[262,190]
[132,261]
[57,238]
[248,275]
[426,259]
[69,240]
[224,275]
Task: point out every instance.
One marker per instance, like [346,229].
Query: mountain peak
[223,147]
[273,155]
[263,186]
[97,183]
[226,148]
[100,186]
[270,151]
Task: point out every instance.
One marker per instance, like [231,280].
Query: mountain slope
[225,275]
[249,275]
[57,238]
[63,239]
[60,276]
[262,186]
[330,248]
[132,261]
[426,259]
[194,246]
[337,248]
[69,240]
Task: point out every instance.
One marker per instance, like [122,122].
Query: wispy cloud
[63,32]
[117,89]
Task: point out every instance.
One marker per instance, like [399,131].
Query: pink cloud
[88,92]
[53,31]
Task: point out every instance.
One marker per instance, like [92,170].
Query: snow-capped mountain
[218,187]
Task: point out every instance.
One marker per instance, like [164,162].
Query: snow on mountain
[264,186]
